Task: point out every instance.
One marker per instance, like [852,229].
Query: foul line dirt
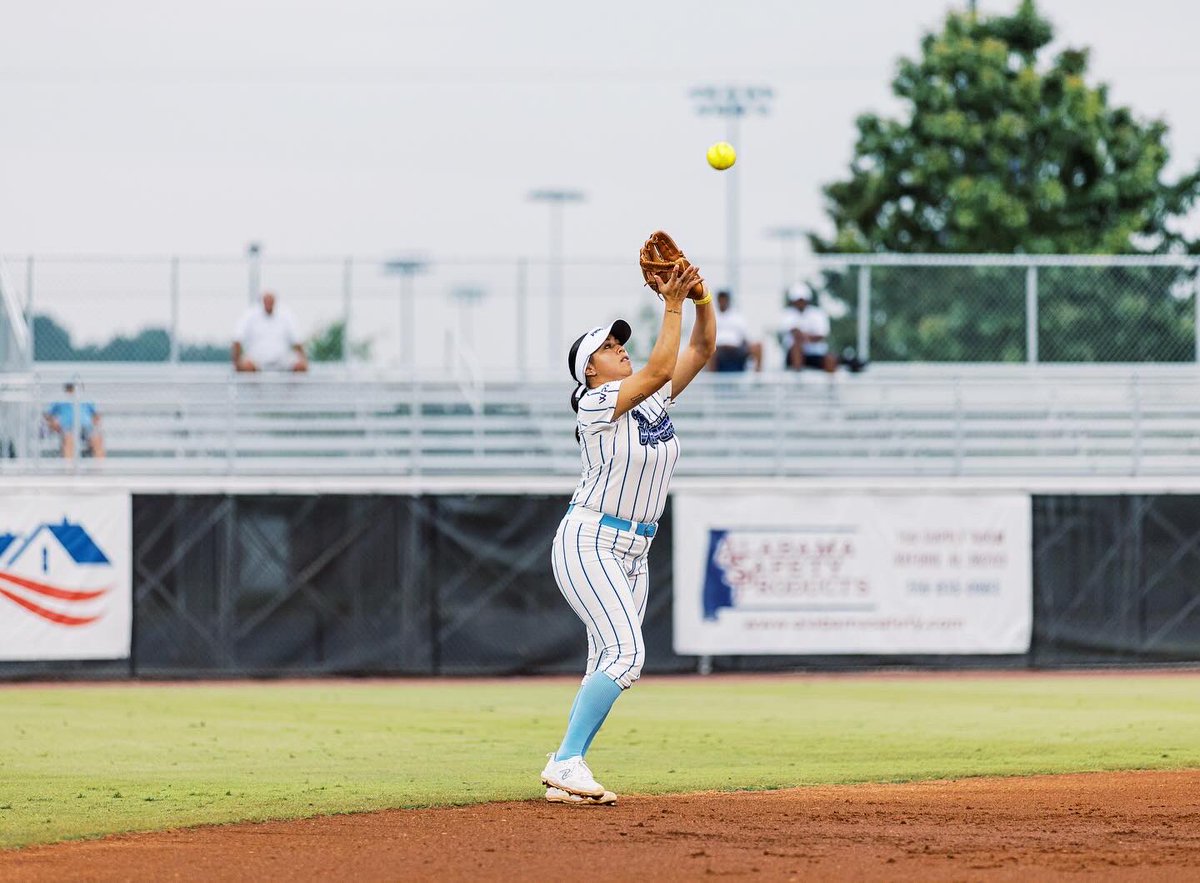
[1109,826]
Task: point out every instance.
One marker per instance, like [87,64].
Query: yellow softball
[721,156]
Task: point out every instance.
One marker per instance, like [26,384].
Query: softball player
[628,451]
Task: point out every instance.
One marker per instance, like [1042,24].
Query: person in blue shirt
[60,418]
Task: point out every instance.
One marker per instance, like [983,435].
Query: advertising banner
[65,576]
[870,574]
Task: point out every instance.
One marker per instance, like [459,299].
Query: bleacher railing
[1120,420]
[510,314]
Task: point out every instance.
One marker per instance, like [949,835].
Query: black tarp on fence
[424,585]
[461,585]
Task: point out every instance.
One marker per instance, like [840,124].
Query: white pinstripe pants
[603,573]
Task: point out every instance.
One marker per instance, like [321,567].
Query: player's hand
[675,287]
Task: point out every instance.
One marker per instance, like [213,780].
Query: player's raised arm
[660,366]
[701,345]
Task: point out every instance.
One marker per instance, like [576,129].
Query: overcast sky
[376,127]
[372,126]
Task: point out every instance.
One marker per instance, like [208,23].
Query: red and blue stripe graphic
[28,593]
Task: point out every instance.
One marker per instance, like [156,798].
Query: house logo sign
[56,572]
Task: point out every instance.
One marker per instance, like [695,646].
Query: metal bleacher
[893,420]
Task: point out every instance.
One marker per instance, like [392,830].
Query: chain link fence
[1054,310]
[521,314]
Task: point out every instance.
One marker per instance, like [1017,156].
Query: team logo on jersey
[651,434]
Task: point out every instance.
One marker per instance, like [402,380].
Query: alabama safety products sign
[853,573]
[65,576]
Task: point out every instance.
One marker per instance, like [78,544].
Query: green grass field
[84,761]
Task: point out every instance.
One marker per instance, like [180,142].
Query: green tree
[148,345]
[52,343]
[329,345]
[999,151]
[1003,150]
[203,352]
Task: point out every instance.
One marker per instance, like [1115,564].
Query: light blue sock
[595,730]
[587,744]
[592,705]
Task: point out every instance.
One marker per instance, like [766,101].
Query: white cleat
[571,775]
[558,795]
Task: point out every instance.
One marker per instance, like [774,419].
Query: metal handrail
[13,319]
[1082,422]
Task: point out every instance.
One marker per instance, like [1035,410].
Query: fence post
[76,428]
[174,311]
[30,418]
[347,308]
[959,428]
[522,316]
[1135,392]
[864,313]
[1195,306]
[29,308]
[408,313]
[254,271]
[1031,314]
[230,417]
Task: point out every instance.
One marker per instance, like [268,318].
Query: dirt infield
[1118,826]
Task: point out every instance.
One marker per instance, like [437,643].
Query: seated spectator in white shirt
[804,332]
[735,345]
[266,339]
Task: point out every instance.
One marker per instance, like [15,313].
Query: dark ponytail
[580,388]
[576,395]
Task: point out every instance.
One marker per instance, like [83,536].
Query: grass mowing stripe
[84,761]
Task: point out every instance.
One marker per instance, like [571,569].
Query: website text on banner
[65,577]
[775,573]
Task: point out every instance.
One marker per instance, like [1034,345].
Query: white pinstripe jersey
[627,463]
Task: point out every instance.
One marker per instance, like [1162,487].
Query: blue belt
[642,529]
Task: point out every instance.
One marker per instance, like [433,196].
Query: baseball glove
[659,256]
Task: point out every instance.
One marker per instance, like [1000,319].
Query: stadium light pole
[556,199]
[467,297]
[732,103]
[254,267]
[406,269]
[788,256]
